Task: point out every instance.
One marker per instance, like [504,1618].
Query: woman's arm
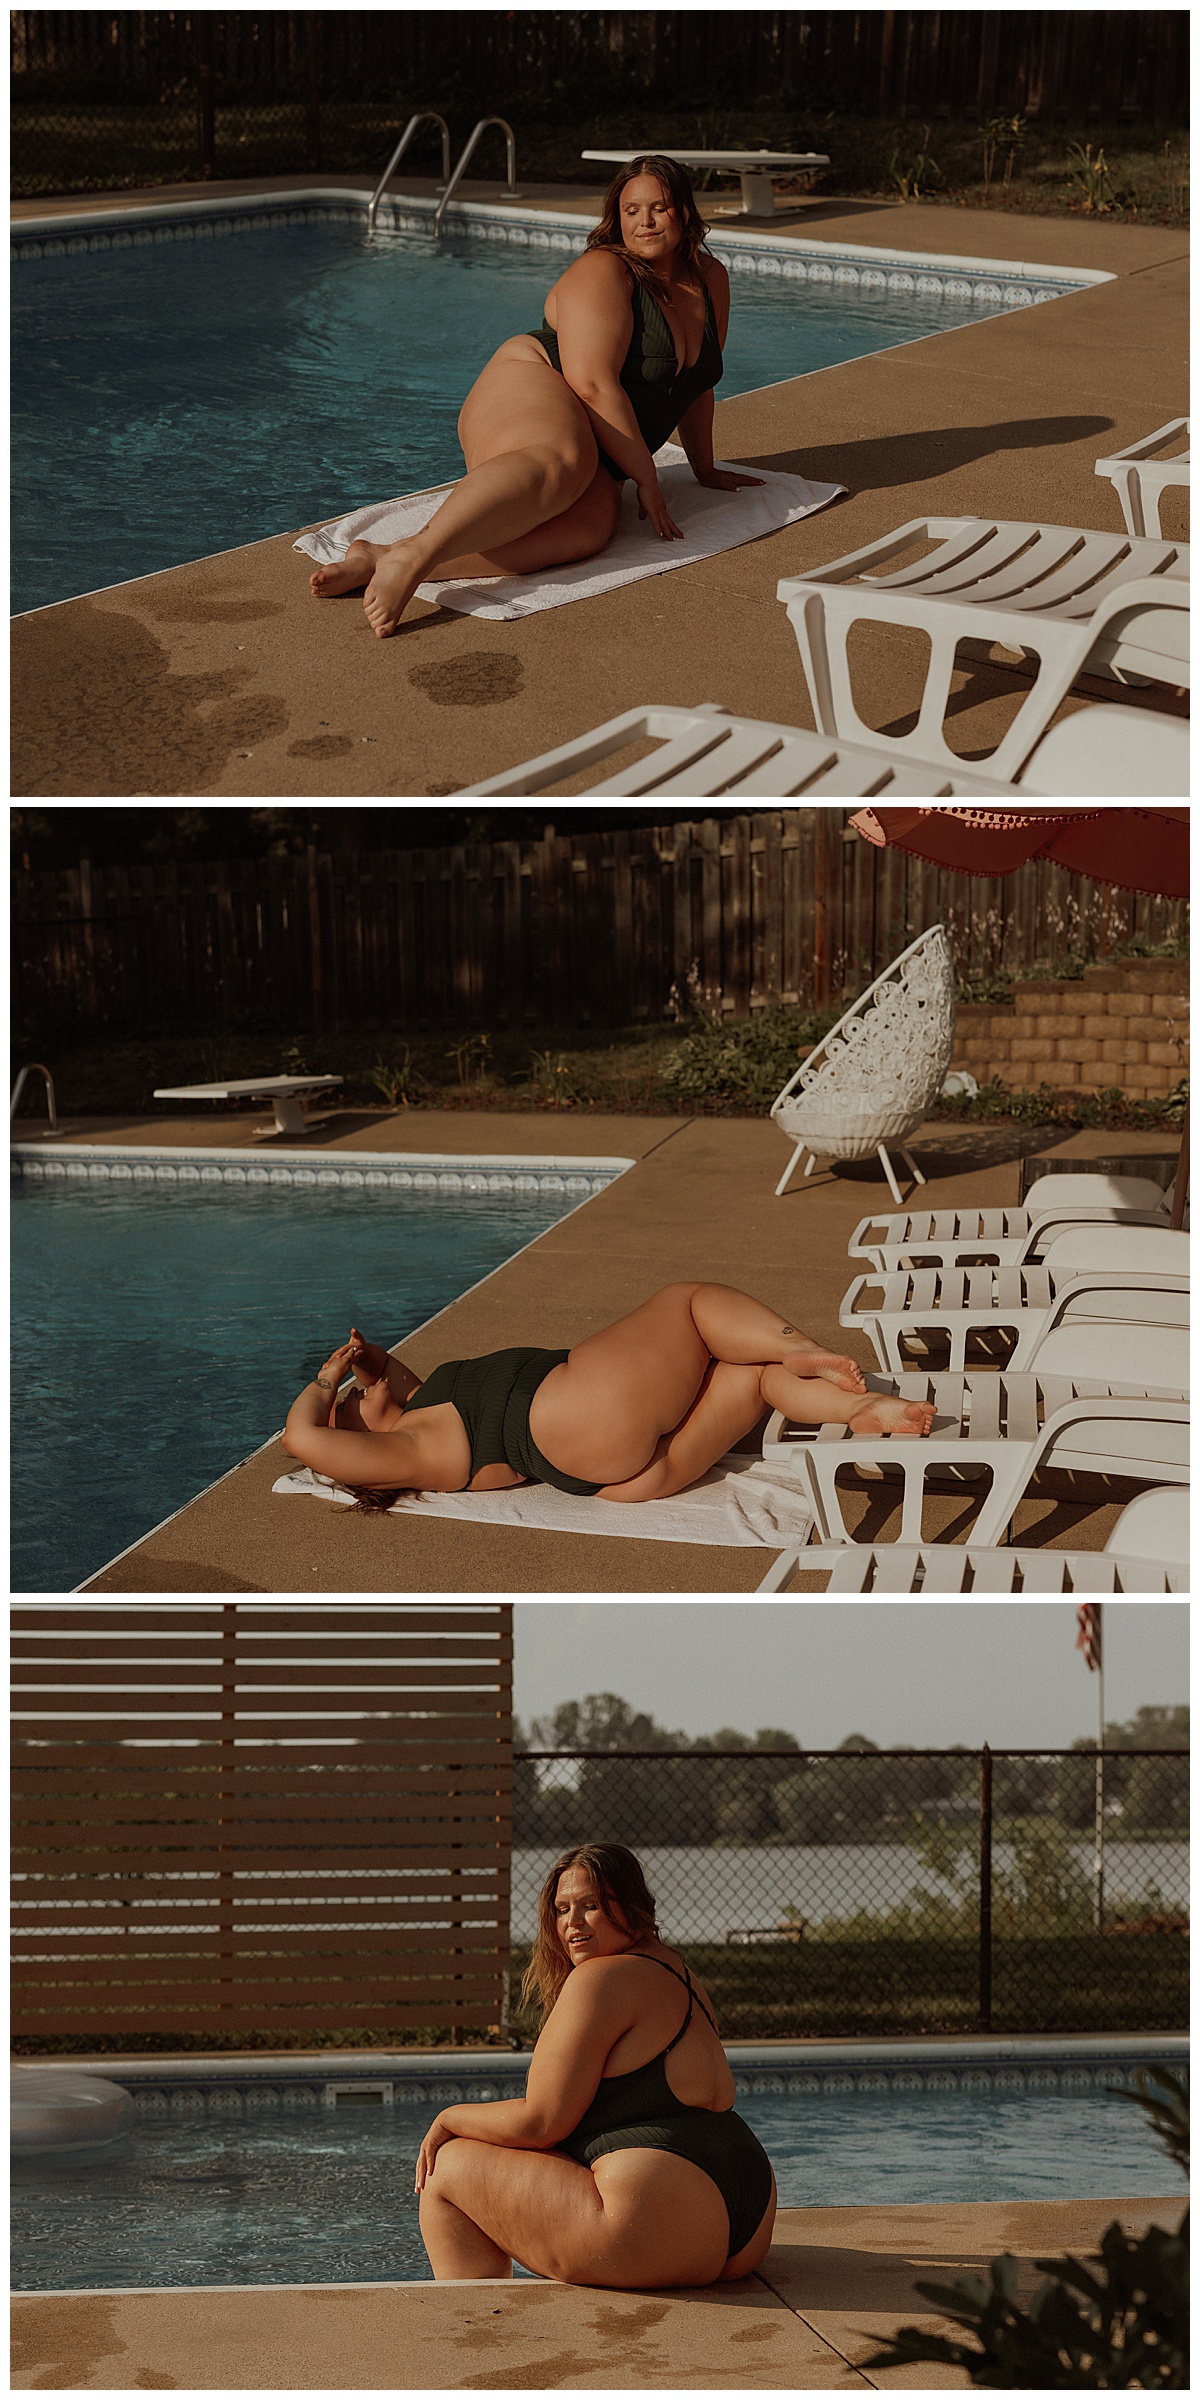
[595,323]
[695,426]
[373,1458]
[594,2008]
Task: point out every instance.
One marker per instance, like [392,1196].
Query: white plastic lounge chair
[1147,1551]
[284,1091]
[1008,1237]
[1140,478]
[1132,1274]
[1073,1414]
[1105,753]
[1075,599]
[707,751]
[875,1076]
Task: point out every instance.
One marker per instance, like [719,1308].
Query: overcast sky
[923,1672]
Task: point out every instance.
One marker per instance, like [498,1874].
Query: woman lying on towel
[629,351]
[636,1412]
[624,2165]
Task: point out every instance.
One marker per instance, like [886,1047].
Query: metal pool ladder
[460,170]
[423,116]
[35,1067]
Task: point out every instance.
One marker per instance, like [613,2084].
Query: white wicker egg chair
[873,1079]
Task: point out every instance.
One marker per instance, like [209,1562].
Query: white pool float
[60,2109]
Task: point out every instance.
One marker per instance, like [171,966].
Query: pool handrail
[456,178]
[422,116]
[35,1067]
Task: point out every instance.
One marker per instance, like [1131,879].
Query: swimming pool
[194,377]
[166,1308]
[274,2186]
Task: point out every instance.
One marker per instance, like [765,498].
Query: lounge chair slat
[981,1287]
[1009,1289]
[895,1293]
[924,1291]
[993,1570]
[663,771]
[1095,1574]
[916,1228]
[1038,1292]
[947,1393]
[1042,1570]
[1056,1391]
[914,1387]
[953,1283]
[944,1569]
[985,1408]
[1020,1399]
[852,1570]
[992,1224]
[1136,1575]
[799,765]
[944,1225]
[722,766]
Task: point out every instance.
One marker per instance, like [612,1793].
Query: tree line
[729,1787]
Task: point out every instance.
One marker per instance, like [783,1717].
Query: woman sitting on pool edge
[636,1412]
[629,351]
[617,2168]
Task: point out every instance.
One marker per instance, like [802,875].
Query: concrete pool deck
[699,1202]
[225,677]
[834,2283]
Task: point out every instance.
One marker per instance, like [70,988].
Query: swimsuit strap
[692,1993]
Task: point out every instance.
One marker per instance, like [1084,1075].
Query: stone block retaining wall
[1125,1025]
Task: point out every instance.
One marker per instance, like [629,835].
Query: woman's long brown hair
[624,1897]
[677,183]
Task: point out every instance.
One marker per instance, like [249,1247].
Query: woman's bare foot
[830,1365]
[883,1415]
[397,573]
[350,573]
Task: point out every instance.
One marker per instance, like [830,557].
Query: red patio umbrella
[1138,849]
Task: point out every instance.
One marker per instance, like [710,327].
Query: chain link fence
[889,1893]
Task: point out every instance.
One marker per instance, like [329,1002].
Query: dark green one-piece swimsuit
[639,2111]
[493,1396]
[659,392]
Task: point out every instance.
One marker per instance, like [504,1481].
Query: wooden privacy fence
[579,929]
[271,1822]
[1116,63]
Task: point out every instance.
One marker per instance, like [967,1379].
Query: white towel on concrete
[709,522]
[739,1504]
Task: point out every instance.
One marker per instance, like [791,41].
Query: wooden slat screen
[262,1821]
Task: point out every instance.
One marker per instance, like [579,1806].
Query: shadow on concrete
[889,460]
[963,1150]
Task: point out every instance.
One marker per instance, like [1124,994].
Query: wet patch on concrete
[478,679]
[208,608]
[100,712]
[322,745]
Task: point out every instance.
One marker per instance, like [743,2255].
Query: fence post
[317,1005]
[204,80]
[985,1890]
[313,27]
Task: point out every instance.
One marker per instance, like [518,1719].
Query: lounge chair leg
[788,1171]
[910,1163]
[893,1186]
[780,1575]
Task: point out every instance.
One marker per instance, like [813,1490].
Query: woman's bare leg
[458,2249]
[641,2220]
[531,455]
[584,528]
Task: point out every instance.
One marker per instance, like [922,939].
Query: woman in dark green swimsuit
[636,1411]
[625,2164]
[629,352]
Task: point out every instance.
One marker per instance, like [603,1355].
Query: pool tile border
[1073,2064]
[999,284]
[441,1173]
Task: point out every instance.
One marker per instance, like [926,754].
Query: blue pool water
[158,1338]
[179,398]
[327,2197]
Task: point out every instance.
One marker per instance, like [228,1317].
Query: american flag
[1089,1638]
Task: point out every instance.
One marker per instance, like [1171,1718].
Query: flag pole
[1098,1869]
